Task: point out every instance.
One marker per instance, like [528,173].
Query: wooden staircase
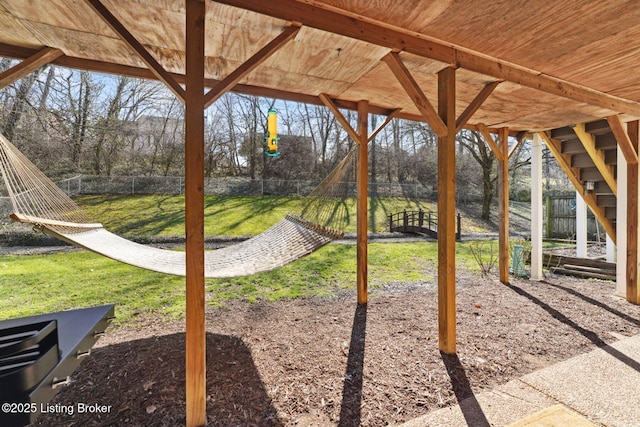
[588,154]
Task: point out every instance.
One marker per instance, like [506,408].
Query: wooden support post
[503,205]
[362,202]
[536,208]
[621,226]
[581,226]
[633,291]
[610,250]
[196,410]
[361,137]
[447,212]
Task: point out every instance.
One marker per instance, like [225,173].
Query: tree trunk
[80,125]
[373,154]
[19,104]
[487,189]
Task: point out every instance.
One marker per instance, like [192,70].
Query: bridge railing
[420,221]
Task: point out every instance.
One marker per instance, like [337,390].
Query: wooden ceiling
[557,63]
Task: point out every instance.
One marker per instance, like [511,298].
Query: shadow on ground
[130,378]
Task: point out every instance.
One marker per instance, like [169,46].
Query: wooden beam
[249,65]
[315,15]
[475,105]
[362,197]
[497,150]
[144,73]
[17,52]
[29,65]
[392,59]
[390,117]
[633,186]
[503,205]
[564,161]
[537,80]
[133,43]
[340,117]
[196,340]
[447,213]
[597,156]
[475,128]
[626,146]
[330,19]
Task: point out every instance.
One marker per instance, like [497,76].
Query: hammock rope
[38,201]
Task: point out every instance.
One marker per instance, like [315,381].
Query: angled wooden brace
[624,142]
[477,102]
[497,151]
[154,66]
[564,161]
[597,156]
[326,100]
[29,65]
[520,138]
[249,65]
[392,59]
[390,117]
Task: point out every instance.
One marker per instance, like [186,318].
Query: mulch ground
[327,362]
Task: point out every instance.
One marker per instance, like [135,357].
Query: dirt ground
[317,362]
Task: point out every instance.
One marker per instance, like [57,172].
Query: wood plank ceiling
[557,63]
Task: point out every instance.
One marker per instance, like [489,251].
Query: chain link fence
[241,186]
[5,210]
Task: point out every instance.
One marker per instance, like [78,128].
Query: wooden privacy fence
[419,222]
[561,218]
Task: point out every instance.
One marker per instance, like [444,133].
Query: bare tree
[106,131]
[72,107]
[322,126]
[474,143]
[373,158]
[19,104]
[163,133]
[253,122]
[24,114]
[116,132]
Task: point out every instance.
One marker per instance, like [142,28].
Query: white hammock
[38,201]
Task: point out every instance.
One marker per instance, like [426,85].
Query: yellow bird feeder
[272,134]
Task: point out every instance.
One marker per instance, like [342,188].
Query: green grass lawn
[42,283]
[229,215]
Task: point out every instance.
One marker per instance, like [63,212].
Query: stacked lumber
[580,267]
